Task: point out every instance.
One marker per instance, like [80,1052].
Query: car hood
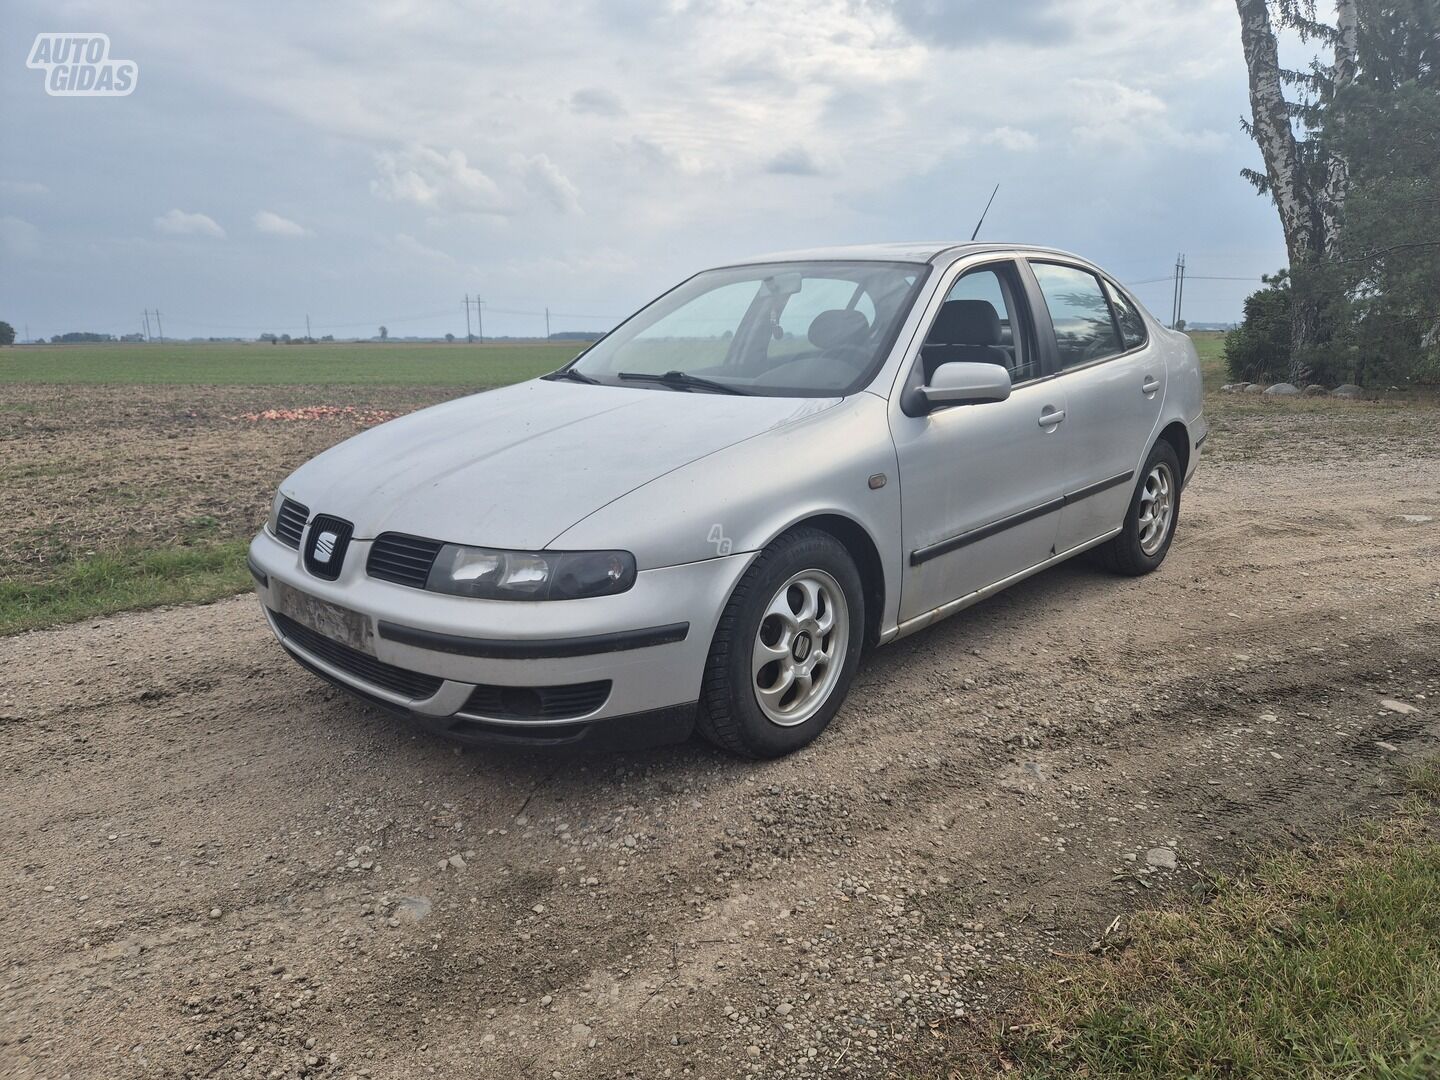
[516,467]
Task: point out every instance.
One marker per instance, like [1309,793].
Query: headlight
[273,523]
[530,575]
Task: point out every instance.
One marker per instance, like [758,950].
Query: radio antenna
[976,233]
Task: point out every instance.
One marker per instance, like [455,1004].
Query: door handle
[1150,385]
[1051,417]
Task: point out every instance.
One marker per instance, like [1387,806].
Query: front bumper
[649,644]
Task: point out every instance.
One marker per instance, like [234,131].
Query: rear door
[980,484]
[1114,386]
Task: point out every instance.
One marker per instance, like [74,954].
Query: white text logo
[79,65]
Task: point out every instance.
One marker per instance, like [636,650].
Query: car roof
[915,251]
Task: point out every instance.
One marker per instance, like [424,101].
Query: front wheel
[786,647]
[1151,518]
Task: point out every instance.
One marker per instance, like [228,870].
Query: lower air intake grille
[536,702]
[290,524]
[405,560]
[409,684]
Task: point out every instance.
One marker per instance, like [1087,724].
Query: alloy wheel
[800,647]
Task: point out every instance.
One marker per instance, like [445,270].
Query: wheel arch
[863,549]
[1178,436]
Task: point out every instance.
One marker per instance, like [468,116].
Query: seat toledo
[705,518]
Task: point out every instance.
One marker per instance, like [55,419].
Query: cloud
[1012,139]
[436,181]
[267,221]
[544,178]
[970,23]
[180,223]
[795,161]
[18,238]
[596,101]
[23,187]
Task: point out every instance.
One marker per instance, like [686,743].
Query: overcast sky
[372,162]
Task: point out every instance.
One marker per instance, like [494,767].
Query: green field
[345,364]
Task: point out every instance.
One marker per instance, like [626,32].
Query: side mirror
[961,383]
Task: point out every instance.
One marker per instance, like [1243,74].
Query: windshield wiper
[681,380]
[571,373]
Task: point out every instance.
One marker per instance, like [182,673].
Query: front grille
[405,560]
[290,524]
[537,702]
[409,684]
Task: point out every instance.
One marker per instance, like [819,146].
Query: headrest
[838,327]
[966,322]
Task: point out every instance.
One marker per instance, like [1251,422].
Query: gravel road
[216,866]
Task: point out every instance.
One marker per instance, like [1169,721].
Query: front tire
[1151,518]
[786,647]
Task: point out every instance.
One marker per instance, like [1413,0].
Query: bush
[1258,350]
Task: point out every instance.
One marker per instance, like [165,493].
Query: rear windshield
[816,329]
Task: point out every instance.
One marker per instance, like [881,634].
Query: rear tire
[786,648]
[1151,518]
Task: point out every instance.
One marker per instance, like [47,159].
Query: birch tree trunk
[1309,217]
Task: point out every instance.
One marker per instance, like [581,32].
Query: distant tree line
[1352,163]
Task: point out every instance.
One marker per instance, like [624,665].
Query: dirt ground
[216,866]
[96,468]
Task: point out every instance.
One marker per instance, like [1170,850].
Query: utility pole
[469,337]
[146,314]
[1180,296]
[547,323]
[307,327]
[480,318]
[159,329]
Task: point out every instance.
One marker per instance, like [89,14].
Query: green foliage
[124,581]
[1321,965]
[7,334]
[1386,283]
[1258,350]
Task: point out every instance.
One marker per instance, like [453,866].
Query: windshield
[817,329]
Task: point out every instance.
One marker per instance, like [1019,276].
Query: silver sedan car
[706,518]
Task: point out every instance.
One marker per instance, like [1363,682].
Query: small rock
[1416,519]
[1316,390]
[752,1052]
[1404,708]
[456,862]
[1282,389]
[783,1009]
[546,1001]
[1391,747]
[1162,858]
[214,912]
[1236,387]
[1347,390]
[1255,388]
[412,908]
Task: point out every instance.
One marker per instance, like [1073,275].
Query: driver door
[980,484]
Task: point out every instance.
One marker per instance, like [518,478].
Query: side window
[1132,323]
[978,323]
[1084,329]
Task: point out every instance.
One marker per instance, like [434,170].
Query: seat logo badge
[324,547]
[801,648]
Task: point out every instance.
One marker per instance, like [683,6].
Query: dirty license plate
[330,620]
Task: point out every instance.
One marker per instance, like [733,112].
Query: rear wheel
[786,648]
[1151,519]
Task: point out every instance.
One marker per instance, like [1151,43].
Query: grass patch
[124,581]
[1316,966]
[283,365]
[1210,345]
